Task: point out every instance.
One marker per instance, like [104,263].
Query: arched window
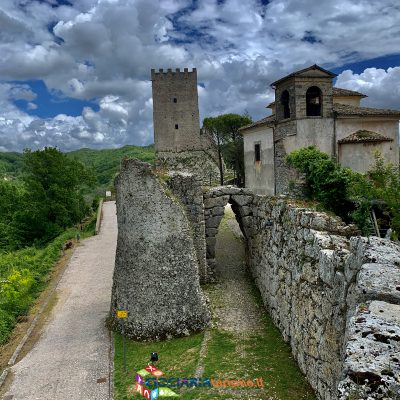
[313,101]
[285,104]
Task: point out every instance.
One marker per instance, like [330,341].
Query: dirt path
[71,360]
[243,342]
[235,310]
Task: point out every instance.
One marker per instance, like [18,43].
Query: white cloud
[104,50]
[9,91]
[381,86]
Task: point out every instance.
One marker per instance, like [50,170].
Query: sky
[76,73]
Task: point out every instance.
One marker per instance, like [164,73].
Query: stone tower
[179,142]
[175,111]
[304,117]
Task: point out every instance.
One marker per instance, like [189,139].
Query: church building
[307,111]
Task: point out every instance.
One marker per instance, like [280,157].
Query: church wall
[278,110]
[360,156]
[388,128]
[301,87]
[312,131]
[301,130]
[349,100]
[259,175]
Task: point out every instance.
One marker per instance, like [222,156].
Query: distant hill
[105,163]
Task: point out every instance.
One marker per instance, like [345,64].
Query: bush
[6,325]
[22,276]
[327,182]
[16,292]
[340,190]
[382,182]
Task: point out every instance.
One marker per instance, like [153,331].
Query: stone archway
[215,201]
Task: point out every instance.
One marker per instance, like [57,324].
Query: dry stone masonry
[316,277]
[373,333]
[187,188]
[156,276]
[214,207]
[334,295]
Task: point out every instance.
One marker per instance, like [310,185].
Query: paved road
[74,349]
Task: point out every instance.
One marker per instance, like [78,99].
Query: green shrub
[23,274]
[16,291]
[7,322]
[339,189]
[327,182]
[382,182]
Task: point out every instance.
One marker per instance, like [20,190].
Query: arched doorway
[215,202]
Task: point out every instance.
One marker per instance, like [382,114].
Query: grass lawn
[229,356]
[267,356]
[262,355]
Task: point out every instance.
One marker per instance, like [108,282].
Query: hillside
[105,163]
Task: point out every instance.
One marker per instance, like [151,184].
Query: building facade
[307,111]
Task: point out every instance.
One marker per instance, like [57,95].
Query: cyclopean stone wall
[372,344]
[298,260]
[314,274]
[189,191]
[201,163]
[156,277]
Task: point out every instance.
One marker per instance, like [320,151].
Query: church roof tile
[267,121]
[346,92]
[348,110]
[362,136]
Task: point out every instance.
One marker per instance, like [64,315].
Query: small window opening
[176,126]
[175,100]
[257,152]
[313,101]
[285,104]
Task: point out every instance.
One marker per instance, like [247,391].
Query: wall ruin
[156,276]
[335,296]
[315,277]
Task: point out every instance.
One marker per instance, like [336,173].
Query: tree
[53,195]
[211,126]
[225,130]
[10,201]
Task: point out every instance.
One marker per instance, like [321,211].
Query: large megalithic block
[156,277]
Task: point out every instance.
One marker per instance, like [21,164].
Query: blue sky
[77,73]
[384,62]
[51,103]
